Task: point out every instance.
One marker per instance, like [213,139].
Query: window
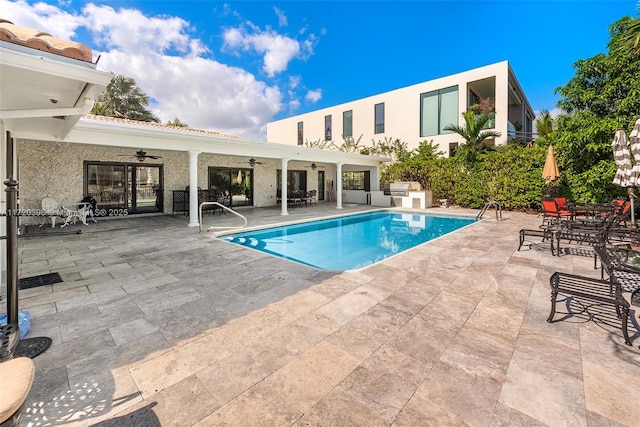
[347,124]
[379,118]
[327,128]
[438,109]
[353,180]
[296,181]
[300,134]
[234,186]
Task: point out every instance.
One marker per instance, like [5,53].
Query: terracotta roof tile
[159,126]
[43,41]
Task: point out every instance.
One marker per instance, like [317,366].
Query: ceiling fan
[252,162]
[141,155]
[313,166]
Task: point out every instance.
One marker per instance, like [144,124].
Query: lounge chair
[552,214]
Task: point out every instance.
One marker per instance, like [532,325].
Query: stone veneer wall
[51,169]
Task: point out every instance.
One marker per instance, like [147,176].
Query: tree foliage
[544,123]
[124,99]
[474,133]
[604,95]
[177,123]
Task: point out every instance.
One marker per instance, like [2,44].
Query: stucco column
[339,185]
[193,189]
[283,186]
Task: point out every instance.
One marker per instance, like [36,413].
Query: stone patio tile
[464,394]
[339,408]
[299,304]
[336,286]
[183,404]
[166,297]
[46,296]
[83,325]
[110,283]
[131,331]
[104,269]
[229,377]
[504,416]
[92,298]
[155,282]
[307,378]
[480,353]
[611,393]
[386,381]
[552,398]
[423,411]
[365,334]
[258,406]
[347,307]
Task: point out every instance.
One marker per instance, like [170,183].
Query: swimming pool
[349,242]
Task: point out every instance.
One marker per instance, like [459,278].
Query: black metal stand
[30,347]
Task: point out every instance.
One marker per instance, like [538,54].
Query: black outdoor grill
[401,189]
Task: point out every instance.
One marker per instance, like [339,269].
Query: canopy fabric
[550,172]
[634,136]
[622,157]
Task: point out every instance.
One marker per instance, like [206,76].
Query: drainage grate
[41,280]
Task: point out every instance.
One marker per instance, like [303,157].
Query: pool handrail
[223,207]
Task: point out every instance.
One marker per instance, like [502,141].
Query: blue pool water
[349,242]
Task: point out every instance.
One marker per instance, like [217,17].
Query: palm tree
[124,99]
[473,131]
[544,123]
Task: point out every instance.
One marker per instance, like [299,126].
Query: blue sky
[234,66]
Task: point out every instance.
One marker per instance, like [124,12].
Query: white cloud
[130,31]
[282,18]
[41,16]
[294,81]
[277,50]
[314,95]
[170,65]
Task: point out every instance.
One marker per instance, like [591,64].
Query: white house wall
[402,112]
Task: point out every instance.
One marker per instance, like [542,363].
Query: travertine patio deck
[156,324]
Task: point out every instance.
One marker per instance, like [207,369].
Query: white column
[283,186]
[339,186]
[193,189]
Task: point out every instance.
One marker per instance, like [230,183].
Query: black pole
[9,156]
[12,250]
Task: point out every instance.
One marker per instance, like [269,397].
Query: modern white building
[417,113]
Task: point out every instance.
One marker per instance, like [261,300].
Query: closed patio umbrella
[550,172]
[624,174]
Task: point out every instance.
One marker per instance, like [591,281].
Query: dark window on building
[300,133]
[327,128]
[347,124]
[379,118]
[354,180]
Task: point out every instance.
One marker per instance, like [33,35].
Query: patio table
[622,264]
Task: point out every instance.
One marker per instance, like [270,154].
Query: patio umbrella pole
[12,250]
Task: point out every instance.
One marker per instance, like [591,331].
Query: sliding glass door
[234,186]
[130,186]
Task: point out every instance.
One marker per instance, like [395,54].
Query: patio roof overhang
[103,131]
[44,94]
